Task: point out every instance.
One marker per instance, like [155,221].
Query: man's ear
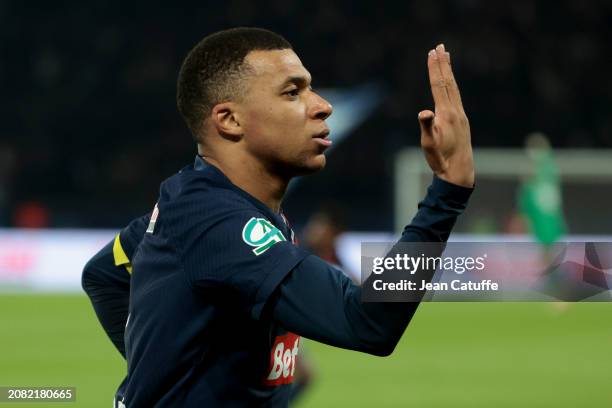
[225,118]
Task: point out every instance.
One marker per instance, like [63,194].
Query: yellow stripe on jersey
[120,256]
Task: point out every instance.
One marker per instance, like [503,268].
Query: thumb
[426,119]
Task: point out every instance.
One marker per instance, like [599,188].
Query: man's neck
[252,177]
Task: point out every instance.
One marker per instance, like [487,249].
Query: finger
[433,155]
[452,88]
[438,86]
[426,119]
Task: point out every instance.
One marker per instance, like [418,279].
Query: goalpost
[586,177]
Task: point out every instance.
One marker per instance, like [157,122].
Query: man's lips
[322,139]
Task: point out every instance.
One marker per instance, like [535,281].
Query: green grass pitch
[452,355]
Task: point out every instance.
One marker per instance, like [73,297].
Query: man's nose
[321,108]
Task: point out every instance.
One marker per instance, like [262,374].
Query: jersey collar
[217,175]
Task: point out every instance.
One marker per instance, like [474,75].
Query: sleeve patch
[261,234]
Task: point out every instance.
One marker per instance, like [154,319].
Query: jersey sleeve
[108,287]
[131,235]
[244,255]
[106,280]
[339,317]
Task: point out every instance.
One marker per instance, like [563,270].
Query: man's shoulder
[192,202]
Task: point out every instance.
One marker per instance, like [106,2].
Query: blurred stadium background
[89,128]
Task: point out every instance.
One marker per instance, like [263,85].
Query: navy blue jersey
[198,333]
[216,281]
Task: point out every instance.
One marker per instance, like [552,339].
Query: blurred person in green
[540,195]
[540,205]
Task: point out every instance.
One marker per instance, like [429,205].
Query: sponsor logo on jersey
[283,357]
[261,234]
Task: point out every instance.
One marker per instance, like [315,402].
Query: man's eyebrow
[297,80]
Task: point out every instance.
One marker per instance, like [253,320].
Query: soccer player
[106,280]
[219,294]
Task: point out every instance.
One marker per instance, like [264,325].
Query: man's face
[283,119]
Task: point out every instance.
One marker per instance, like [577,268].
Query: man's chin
[302,168]
[317,163]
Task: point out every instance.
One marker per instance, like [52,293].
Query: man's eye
[293,92]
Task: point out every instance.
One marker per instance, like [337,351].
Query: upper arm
[100,272]
[128,239]
[106,280]
[319,302]
[312,302]
[111,266]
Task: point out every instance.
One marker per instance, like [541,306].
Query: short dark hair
[212,71]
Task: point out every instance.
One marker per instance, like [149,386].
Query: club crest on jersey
[261,234]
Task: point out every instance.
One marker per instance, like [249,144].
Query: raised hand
[445,134]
